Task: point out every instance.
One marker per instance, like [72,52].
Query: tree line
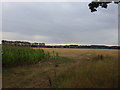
[28,44]
[22,43]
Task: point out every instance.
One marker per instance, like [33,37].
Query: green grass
[20,55]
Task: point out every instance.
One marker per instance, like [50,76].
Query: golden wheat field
[75,68]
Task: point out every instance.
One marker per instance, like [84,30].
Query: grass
[90,74]
[35,75]
[14,55]
[73,68]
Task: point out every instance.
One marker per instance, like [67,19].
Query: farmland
[72,68]
[14,55]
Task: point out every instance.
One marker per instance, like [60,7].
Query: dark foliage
[94,5]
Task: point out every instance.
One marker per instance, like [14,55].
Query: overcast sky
[59,23]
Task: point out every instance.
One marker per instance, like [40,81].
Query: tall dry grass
[90,74]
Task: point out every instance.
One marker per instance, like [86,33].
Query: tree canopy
[95,4]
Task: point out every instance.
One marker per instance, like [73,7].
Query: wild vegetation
[73,68]
[98,72]
[14,55]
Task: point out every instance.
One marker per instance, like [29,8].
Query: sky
[59,23]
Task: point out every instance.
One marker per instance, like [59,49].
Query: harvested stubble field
[74,68]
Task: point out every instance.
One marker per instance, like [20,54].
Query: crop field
[68,68]
[15,55]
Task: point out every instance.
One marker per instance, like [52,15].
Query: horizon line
[62,43]
[82,44]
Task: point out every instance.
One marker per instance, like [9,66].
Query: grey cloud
[61,22]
